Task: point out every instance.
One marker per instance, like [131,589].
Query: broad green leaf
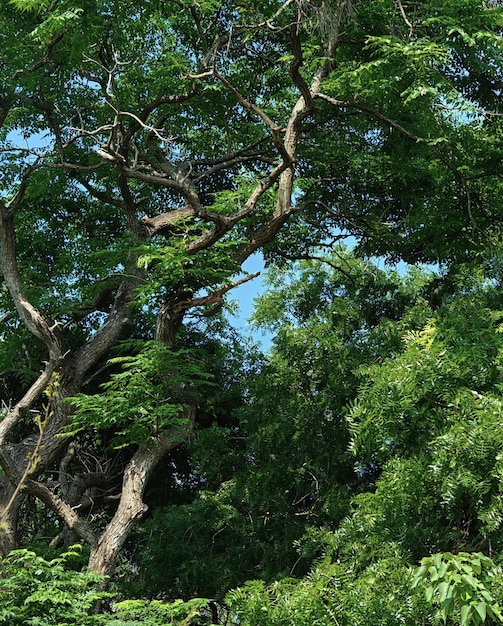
[481,609]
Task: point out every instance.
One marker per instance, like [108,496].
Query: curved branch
[106,336]
[131,507]
[63,510]
[31,317]
[47,56]
[298,61]
[302,109]
[215,297]
[344,104]
[244,102]
[158,223]
[160,180]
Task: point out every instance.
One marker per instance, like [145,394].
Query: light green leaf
[481,609]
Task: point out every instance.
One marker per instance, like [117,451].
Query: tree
[147,151]
[421,410]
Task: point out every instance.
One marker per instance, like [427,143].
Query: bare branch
[13,204]
[247,153]
[131,506]
[263,235]
[204,74]
[320,259]
[32,318]
[405,18]
[215,296]
[7,316]
[130,206]
[143,125]
[63,510]
[238,160]
[286,175]
[224,224]
[22,407]
[244,102]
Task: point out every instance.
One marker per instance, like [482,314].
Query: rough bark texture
[8,518]
[131,506]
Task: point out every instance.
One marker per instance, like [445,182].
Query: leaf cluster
[39,592]
[145,398]
[463,586]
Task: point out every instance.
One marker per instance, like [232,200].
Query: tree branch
[405,18]
[367,109]
[107,335]
[296,64]
[215,297]
[158,223]
[31,317]
[99,195]
[244,102]
[161,180]
[46,58]
[63,510]
[33,459]
[459,177]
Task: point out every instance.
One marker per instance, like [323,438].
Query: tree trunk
[8,518]
[131,506]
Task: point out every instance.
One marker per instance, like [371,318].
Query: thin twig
[405,18]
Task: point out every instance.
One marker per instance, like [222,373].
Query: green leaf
[466,612]
[471,581]
[481,609]
[443,591]
[430,590]
[447,608]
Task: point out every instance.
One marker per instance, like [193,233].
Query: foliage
[147,150]
[332,593]
[425,421]
[146,397]
[40,593]
[463,585]
[156,613]
[202,548]
[43,592]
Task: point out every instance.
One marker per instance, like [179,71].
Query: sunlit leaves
[145,398]
[463,586]
[414,394]
[41,592]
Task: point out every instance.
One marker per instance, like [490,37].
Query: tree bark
[131,506]
[8,518]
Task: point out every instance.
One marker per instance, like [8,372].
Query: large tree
[422,355]
[148,150]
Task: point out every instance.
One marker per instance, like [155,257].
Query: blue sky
[244,297]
